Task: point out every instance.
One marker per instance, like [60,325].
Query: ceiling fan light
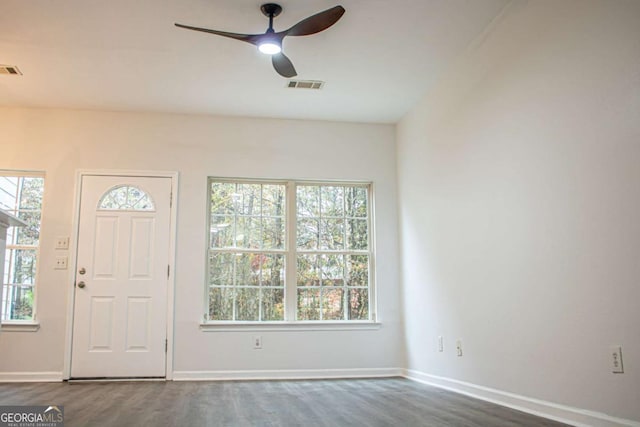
[269,47]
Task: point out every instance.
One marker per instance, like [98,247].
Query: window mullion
[291,261]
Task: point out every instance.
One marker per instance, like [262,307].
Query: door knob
[81,285]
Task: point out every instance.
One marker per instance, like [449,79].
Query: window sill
[20,327]
[288,326]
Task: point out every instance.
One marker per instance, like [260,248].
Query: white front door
[120,312]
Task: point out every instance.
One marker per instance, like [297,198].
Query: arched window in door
[126,197]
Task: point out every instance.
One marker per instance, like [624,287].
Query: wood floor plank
[310,403]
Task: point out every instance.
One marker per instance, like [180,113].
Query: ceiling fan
[270,42]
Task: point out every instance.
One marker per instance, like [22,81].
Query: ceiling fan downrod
[271,10]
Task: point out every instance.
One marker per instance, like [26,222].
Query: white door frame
[73,246]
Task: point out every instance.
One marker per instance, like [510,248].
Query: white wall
[61,141]
[519,190]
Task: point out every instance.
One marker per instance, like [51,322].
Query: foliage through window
[260,230]
[21,195]
[126,197]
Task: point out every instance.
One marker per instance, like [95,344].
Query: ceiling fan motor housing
[271,9]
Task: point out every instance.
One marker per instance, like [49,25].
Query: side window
[21,195]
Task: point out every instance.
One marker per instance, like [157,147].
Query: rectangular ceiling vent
[305,84]
[10,70]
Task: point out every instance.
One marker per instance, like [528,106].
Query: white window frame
[291,251]
[25,324]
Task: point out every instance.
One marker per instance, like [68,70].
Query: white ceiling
[377,61]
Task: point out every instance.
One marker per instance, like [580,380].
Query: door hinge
[171,199]
[168,270]
[166,345]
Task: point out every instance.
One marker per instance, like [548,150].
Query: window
[126,197]
[21,195]
[288,251]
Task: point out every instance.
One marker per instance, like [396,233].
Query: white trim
[66,373]
[286,374]
[289,326]
[20,327]
[116,380]
[566,414]
[30,377]
[171,280]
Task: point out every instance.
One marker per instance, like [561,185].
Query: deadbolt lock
[82,270]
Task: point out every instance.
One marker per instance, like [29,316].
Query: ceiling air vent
[305,84]
[9,70]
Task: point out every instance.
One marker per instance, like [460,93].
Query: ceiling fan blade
[316,23]
[249,38]
[283,65]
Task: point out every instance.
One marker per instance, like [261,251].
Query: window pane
[272,304]
[247,272]
[358,270]
[272,270]
[332,270]
[9,193]
[356,201]
[247,304]
[358,304]
[22,266]
[273,200]
[17,303]
[308,304]
[127,198]
[247,199]
[308,233]
[31,193]
[308,270]
[221,303]
[273,233]
[30,234]
[221,269]
[357,235]
[332,201]
[222,198]
[332,304]
[308,200]
[222,231]
[248,232]
[332,234]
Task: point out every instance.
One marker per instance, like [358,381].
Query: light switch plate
[61,263]
[62,242]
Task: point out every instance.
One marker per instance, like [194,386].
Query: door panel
[120,312]
[105,244]
[101,324]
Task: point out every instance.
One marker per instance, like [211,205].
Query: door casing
[73,245]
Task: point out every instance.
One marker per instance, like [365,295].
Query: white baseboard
[30,377]
[566,414]
[288,374]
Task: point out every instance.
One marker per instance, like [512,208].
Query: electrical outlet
[62,243]
[459,348]
[257,342]
[61,263]
[440,344]
[616,360]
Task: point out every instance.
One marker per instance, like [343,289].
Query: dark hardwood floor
[359,402]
